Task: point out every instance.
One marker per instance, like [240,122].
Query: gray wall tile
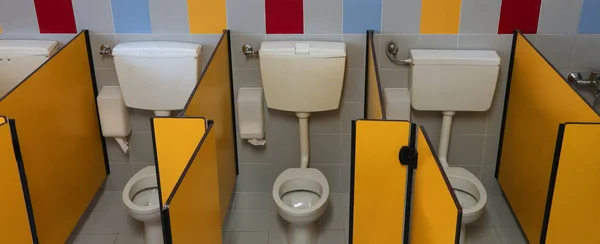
[119,38]
[323,37]
[333,173]
[405,43]
[354,85]
[141,149]
[94,15]
[325,149]
[559,16]
[500,91]
[62,39]
[323,16]
[209,43]
[346,176]
[239,60]
[490,153]
[246,78]
[115,154]
[120,173]
[394,78]
[172,37]
[474,169]
[283,141]
[346,149]
[169,16]
[495,118]
[587,52]
[489,180]
[249,154]
[465,150]
[254,178]
[284,37]
[480,16]
[140,120]
[102,61]
[355,51]
[351,111]
[334,216]
[482,42]
[558,49]
[469,123]
[18,17]
[401,17]
[438,41]
[18,36]
[432,121]
[106,77]
[246,16]
[324,122]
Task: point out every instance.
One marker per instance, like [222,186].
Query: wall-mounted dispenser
[250,114]
[114,115]
[397,103]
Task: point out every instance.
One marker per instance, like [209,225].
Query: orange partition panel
[379,181]
[61,143]
[15,225]
[373,90]
[193,211]
[213,99]
[175,140]
[538,100]
[436,213]
[574,215]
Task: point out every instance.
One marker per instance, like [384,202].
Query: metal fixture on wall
[105,49]
[248,50]
[594,79]
[392,51]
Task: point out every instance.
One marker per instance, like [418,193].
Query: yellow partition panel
[440,16]
[538,100]
[194,210]
[175,140]
[436,213]
[15,225]
[574,213]
[213,99]
[379,181]
[59,133]
[373,91]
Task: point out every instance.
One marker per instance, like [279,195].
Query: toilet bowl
[470,193]
[301,196]
[140,196]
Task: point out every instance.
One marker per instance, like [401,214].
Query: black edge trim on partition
[233,115]
[212,57]
[410,184]
[366,94]
[506,98]
[23,177]
[352,179]
[162,206]
[39,67]
[166,225]
[95,88]
[190,162]
[512,211]
[552,183]
[447,181]
[376,67]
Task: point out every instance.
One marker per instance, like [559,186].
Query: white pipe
[123,143]
[445,138]
[304,143]
[162,113]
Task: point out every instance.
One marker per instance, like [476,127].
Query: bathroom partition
[213,99]
[16,225]
[62,150]
[374,108]
[399,191]
[536,159]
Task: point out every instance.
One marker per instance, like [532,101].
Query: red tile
[55,16]
[519,15]
[284,16]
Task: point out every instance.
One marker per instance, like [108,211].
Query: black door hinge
[408,156]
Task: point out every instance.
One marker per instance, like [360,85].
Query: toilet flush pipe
[304,146]
[445,138]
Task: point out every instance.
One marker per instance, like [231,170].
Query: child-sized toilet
[140,196]
[302,77]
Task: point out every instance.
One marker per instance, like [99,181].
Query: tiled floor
[253,220]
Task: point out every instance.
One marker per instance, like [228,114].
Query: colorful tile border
[362,15]
[519,15]
[588,22]
[207,17]
[440,16]
[284,16]
[131,16]
[55,16]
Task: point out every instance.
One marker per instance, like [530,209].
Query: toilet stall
[53,155]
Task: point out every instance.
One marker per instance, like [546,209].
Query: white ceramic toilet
[302,77]
[452,81]
[140,196]
[158,76]
[19,58]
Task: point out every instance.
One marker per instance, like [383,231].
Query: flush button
[302,48]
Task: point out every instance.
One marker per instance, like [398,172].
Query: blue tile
[131,16]
[362,15]
[588,22]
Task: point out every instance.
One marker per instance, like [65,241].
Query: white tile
[95,238]
[253,200]
[511,235]
[483,235]
[248,237]
[137,238]
[247,220]
[331,237]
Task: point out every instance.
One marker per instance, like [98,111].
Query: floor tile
[247,220]
[511,235]
[95,239]
[130,239]
[277,237]
[334,216]
[253,201]
[249,237]
[112,222]
[483,235]
[331,237]
[110,201]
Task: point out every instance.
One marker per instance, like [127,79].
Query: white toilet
[140,196]
[158,76]
[302,77]
[452,81]
[19,58]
